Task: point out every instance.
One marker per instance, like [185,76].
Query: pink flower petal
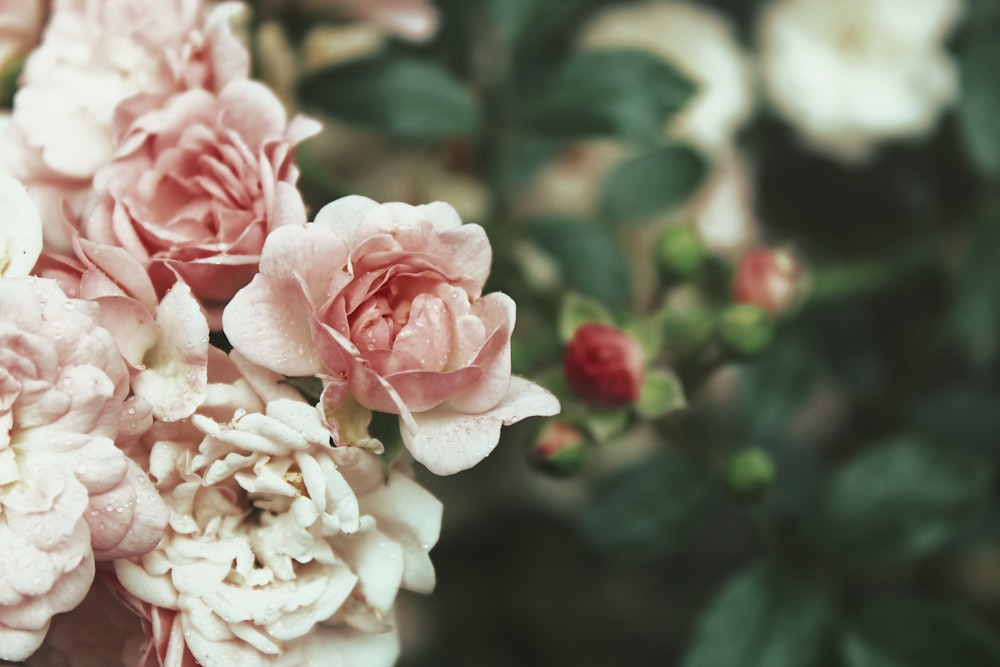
[175,379]
[446,441]
[20,229]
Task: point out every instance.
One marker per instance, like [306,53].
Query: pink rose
[385,303]
[97,53]
[102,61]
[210,175]
[604,365]
[68,495]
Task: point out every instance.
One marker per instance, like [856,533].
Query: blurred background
[754,246]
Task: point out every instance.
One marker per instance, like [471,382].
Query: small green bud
[751,473]
[745,330]
[680,252]
[561,449]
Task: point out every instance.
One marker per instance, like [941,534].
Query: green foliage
[403,96]
[913,632]
[576,310]
[649,509]
[662,393]
[977,290]
[901,499]
[592,263]
[528,22]
[622,93]
[651,183]
[765,616]
[979,106]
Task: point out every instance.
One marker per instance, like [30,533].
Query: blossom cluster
[167,499]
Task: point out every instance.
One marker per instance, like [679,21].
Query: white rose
[853,73]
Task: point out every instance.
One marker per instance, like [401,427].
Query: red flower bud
[604,365]
[560,449]
[769,279]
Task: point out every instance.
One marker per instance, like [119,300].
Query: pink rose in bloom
[604,365]
[102,60]
[385,303]
[97,53]
[280,549]
[68,495]
[769,279]
[209,177]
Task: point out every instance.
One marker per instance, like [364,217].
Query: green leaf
[648,331]
[402,96]
[309,387]
[576,310]
[528,21]
[649,509]
[661,394]
[901,499]
[764,617]
[979,104]
[651,183]
[623,93]
[911,632]
[591,261]
[605,424]
[976,291]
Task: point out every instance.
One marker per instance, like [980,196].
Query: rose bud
[560,449]
[751,473]
[680,252]
[773,280]
[745,330]
[604,365]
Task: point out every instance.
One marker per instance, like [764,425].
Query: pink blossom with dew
[68,495]
[102,63]
[385,303]
[210,175]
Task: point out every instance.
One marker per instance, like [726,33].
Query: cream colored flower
[281,549]
[853,73]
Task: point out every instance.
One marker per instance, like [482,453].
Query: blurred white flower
[852,73]
[700,43]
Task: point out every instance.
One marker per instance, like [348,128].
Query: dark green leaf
[528,21]
[979,104]
[976,291]
[764,617]
[592,262]
[652,183]
[901,499]
[963,418]
[649,509]
[623,93]
[402,96]
[902,632]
